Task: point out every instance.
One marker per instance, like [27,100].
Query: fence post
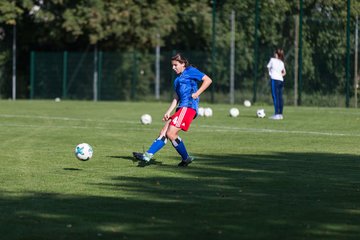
[95,77]
[347,54]
[14,63]
[32,74]
[296,59]
[213,52]
[157,68]
[65,60]
[99,73]
[133,82]
[356,78]
[173,76]
[256,49]
[300,52]
[232,59]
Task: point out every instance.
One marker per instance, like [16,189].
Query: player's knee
[162,134]
[170,135]
[162,138]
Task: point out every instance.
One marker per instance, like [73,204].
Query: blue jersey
[185,85]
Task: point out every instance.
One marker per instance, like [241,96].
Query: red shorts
[183,118]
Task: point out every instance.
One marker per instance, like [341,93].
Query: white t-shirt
[276,67]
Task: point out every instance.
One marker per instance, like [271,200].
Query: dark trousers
[277,87]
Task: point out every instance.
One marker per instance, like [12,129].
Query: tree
[134,25]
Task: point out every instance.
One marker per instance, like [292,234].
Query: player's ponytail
[280,54]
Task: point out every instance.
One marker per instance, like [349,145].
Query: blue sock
[180,148]
[157,145]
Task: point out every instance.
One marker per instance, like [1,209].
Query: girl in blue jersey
[186,102]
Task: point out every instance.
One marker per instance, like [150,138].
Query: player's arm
[173,104]
[206,81]
[283,72]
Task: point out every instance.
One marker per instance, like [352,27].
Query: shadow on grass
[140,163]
[72,169]
[277,196]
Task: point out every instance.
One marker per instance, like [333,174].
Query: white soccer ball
[247,103]
[83,151]
[260,113]
[57,99]
[208,112]
[146,119]
[234,112]
[201,111]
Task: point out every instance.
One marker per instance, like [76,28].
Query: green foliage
[186,25]
[131,22]
[9,12]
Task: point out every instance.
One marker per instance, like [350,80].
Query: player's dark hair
[280,53]
[181,59]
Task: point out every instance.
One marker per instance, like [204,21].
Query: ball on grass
[234,112]
[146,119]
[208,112]
[201,111]
[247,103]
[260,113]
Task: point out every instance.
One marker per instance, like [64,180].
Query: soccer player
[277,72]
[186,102]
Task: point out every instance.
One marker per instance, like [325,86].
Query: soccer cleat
[186,162]
[143,156]
[276,117]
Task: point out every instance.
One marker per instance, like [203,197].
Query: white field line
[63,118]
[42,126]
[202,128]
[266,130]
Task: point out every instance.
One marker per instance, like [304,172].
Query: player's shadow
[72,169]
[139,162]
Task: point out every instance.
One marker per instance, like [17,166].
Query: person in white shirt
[277,72]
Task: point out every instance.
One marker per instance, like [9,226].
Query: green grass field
[298,178]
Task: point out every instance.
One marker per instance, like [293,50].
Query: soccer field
[253,178]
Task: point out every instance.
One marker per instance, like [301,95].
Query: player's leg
[281,100]
[177,142]
[277,98]
[160,141]
[181,120]
[158,144]
[273,94]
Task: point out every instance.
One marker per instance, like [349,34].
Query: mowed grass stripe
[252,178]
[207,128]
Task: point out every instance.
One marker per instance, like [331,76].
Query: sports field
[253,178]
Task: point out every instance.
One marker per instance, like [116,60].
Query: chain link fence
[316,67]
